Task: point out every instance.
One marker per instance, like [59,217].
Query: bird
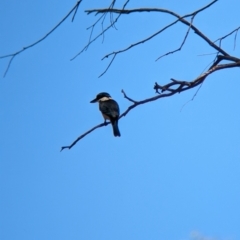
[109,109]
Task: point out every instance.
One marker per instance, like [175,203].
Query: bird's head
[103,96]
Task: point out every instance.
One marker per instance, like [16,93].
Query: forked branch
[13,55]
[181,19]
[175,86]
[227,35]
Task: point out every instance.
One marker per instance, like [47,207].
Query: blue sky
[175,171]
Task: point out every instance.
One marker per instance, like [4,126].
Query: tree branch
[85,134]
[13,55]
[175,86]
[184,40]
[102,32]
[179,18]
[227,35]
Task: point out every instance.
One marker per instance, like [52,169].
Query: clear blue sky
[173,175]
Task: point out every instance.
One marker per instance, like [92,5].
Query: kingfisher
[109,109]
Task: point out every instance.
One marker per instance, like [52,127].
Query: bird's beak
[94,100]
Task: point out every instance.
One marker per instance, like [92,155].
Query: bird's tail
[116,131]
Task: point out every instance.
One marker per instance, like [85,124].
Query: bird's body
[109,109]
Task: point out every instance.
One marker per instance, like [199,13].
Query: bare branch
[85,134]
[128,11]
[227,35]
[195,94]
[93,25]
[108,65]
[133,45]
[100,34]
[129,99]
[235,39]
[179,18]
[13,55]
[184,40]
[76,9]
[175,86]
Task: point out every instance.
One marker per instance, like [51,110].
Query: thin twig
[227,35]
[100,34]
[183,42]
[105,15]
[195,94]
[94,24]
[76,9]
[108,66]
[128,98]
[13,55]
[235,39]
